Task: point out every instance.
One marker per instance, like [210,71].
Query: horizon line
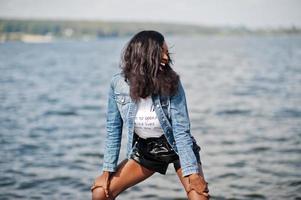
[271,27]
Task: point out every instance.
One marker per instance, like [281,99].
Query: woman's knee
[99,194]
[193,195]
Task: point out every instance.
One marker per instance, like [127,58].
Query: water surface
[243,97]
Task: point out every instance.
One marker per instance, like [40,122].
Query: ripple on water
[35,132]
[50,182]
[288,113]
[234,112]
[27,149]
[255,196]
[238,164]
[93,155]
[8,196]
[6,181]
[47,98]
[295,183]
[148,196]
[21,173]
[231,175]
[30,184]
[91,107]
[227,142]
[60,113]
[260,149]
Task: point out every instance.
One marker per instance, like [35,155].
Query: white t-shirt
[146,120]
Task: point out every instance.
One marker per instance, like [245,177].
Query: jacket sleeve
[181,130]
[114,131]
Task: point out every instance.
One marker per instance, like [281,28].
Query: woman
[149,100]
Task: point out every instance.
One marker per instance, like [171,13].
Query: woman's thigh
[128,174]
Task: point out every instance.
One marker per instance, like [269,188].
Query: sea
[243,96]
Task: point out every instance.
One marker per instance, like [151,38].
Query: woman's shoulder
[116,78]
[118,81]
[180,90]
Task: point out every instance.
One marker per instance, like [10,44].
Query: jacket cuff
[189,170]
[109,167]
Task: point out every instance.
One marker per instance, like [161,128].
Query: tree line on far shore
[95,29]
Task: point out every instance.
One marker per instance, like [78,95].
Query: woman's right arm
[114,131]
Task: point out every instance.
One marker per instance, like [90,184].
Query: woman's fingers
[206,188]
[206,195]
[107,186]
[92,188]
[106,191]
[95,186]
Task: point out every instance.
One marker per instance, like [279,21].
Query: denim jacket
[173,116]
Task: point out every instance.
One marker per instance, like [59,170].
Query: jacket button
[158,105]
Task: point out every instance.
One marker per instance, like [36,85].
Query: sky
[249,13]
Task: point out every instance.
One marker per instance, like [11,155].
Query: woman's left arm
[181,129]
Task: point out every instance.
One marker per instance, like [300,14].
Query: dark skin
[109,185]
[164,54]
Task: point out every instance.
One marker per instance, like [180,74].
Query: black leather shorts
[156,153]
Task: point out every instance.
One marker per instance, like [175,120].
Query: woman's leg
[192,195]
[128,174]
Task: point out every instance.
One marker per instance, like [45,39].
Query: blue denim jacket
[173,116]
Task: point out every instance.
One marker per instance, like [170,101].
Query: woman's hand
[102,181]
[198,183]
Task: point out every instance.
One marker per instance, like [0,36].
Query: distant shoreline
[32,30]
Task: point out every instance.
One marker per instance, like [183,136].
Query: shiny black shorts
[156,153]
